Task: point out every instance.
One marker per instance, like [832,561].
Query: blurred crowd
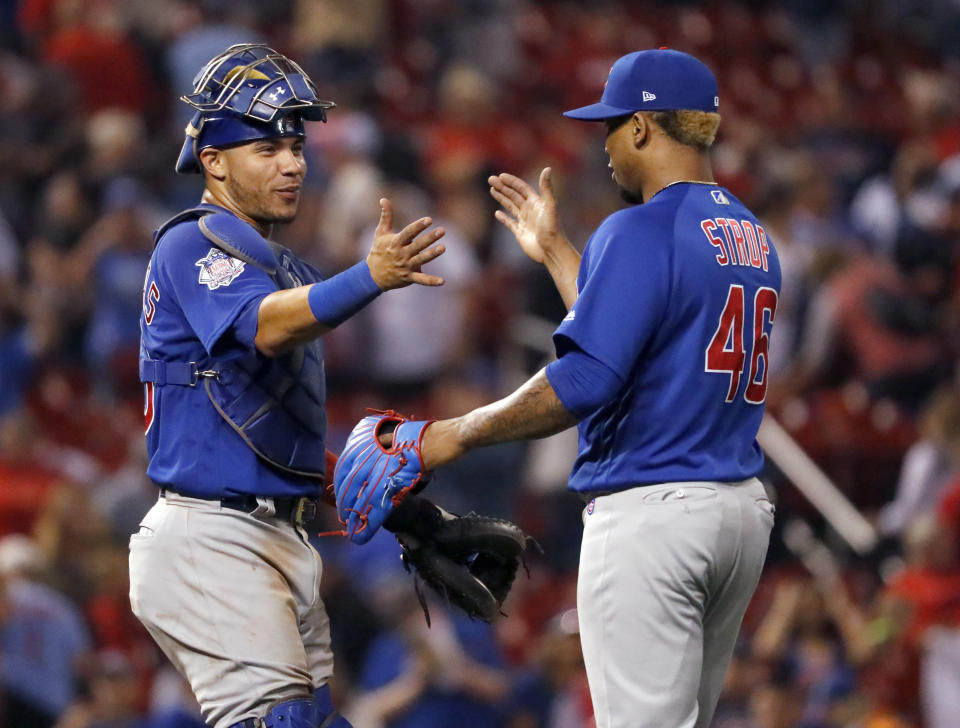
[841,129]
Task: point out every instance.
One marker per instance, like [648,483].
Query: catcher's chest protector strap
[232,235]
[191,213]
[276,404]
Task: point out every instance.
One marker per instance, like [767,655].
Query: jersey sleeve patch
[217,269]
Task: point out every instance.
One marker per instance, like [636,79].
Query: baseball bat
[815,486]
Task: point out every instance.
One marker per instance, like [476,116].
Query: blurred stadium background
[841,129]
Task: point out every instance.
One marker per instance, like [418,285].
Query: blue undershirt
[582,383]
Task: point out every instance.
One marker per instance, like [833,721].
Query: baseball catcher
[231,348]
[470,561]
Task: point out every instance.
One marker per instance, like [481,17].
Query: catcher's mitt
[469,560]
[369,479]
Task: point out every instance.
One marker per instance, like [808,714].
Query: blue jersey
[677,296]
[199,302]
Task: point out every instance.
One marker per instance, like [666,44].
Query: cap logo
[647,96]
[716,100]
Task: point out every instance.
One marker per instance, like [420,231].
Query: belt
[295,509]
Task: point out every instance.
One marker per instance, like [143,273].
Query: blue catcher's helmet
[246,93]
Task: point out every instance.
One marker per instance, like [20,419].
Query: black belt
[296,509]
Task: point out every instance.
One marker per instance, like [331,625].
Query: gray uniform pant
[666,573]
[234,602]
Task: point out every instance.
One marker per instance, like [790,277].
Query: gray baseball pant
[666,573]
[234,603]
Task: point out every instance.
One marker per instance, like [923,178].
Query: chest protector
[274,403]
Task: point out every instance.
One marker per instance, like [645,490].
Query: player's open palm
[531,217]
[396,258]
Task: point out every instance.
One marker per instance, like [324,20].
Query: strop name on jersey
[746,241]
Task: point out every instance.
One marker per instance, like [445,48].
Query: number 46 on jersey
[726,353]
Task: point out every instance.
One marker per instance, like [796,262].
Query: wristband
[336,299]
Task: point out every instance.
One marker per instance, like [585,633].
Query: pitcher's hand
[531,217]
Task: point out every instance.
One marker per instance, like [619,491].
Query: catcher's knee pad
[305,712]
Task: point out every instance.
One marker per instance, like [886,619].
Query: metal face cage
[256,81]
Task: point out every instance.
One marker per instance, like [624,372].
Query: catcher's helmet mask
[246,93]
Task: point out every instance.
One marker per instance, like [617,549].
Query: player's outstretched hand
[395,259]
[531,217]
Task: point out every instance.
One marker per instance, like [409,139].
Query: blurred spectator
[553,692]
[338,41]
[403,360]
[9,252]
[70,534]
[126,494]
[110,261]
[870,322]
[112,700]
[921,605]
[928,466]
[114,140]
[486,480]
[27,472]
[470,134]
[887,203]
[42,638]
[28,332]
[204,29]
[65,213]
[817,222]
[896,640]
[775,705]
[172,704]
[798,634]
[448,674]
[744,675]
[91,45]
[42,134]
[348,144]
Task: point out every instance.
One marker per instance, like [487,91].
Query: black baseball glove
[471,560]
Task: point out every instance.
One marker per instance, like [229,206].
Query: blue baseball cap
[653,80]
